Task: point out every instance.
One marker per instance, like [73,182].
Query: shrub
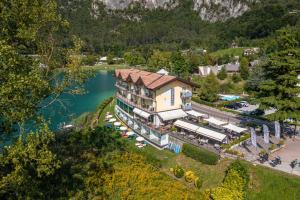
[189,176]
[201,155]
[238,166]
[281,142]
[178,172]
[234,152]
[272,147]
[198,182]
[237,141]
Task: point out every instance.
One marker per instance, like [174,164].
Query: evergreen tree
[222,75]
[244,68]
[279,89]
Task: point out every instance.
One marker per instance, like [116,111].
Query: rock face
[220,10]
[209,10]
[148,4]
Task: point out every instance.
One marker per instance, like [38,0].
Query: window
[172,96]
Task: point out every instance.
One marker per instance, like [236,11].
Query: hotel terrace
[149,103]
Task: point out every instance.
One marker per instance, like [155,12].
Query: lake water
[97,88]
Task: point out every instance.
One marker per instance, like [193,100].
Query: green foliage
[110,59]
[237,141]
[27,164]
[279,88]
[201,155]
[178,171]
[222,74]
[234,185]
[159,60]
[198,182]
[179,65]
[209,88]
[236,78]
[134,58]
[232,188]
[244,68]
[31,51]
[89,60]
[241,168]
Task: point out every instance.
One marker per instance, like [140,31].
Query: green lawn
[109,108]
[267,184]
[212,175]
[230,51]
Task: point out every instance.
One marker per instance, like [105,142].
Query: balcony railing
[122,87]
[135,104]
[187,106]
[186,94]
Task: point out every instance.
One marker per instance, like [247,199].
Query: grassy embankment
[265,183]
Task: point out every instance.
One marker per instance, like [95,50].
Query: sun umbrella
[108,116]
[123,128]
[117,123]
[140,139]
[112,120]
[130,133]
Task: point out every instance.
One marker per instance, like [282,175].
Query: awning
[195,113]
[200,130]
[215,121]
[186,125]
[234,128]
[141,113]
[211,134]
[172,114]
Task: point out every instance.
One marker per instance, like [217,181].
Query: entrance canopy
[215,121]
[195,113]
[211,134]
[234,128]
[200,130]
[141,113]
[172,114]
[186,125]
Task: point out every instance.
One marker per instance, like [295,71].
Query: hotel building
[149,103]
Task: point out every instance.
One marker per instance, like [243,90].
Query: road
[227,116]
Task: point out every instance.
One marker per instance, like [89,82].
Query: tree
[244,68]
[179,65]
[25,79]
[26,166]
[236,78]
[110,59]
[159,60]
[279,89]
[222,75]
[209,89]
[134,58]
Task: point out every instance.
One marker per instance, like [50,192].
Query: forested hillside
[180,27]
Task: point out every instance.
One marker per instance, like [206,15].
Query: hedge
[202,155]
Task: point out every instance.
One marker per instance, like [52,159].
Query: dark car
[234,106]
[257,112]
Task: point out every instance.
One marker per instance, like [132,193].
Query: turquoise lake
[97,88]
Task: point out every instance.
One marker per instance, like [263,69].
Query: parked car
[234,106]
[244,103]
[257,112]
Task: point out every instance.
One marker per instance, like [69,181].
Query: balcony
[187,106]
[134,103]
[185,94]
[121,86]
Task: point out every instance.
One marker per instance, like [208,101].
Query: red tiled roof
[150,80]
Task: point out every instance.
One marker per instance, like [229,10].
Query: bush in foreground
[201,155]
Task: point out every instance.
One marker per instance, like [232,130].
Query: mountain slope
[209,10]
